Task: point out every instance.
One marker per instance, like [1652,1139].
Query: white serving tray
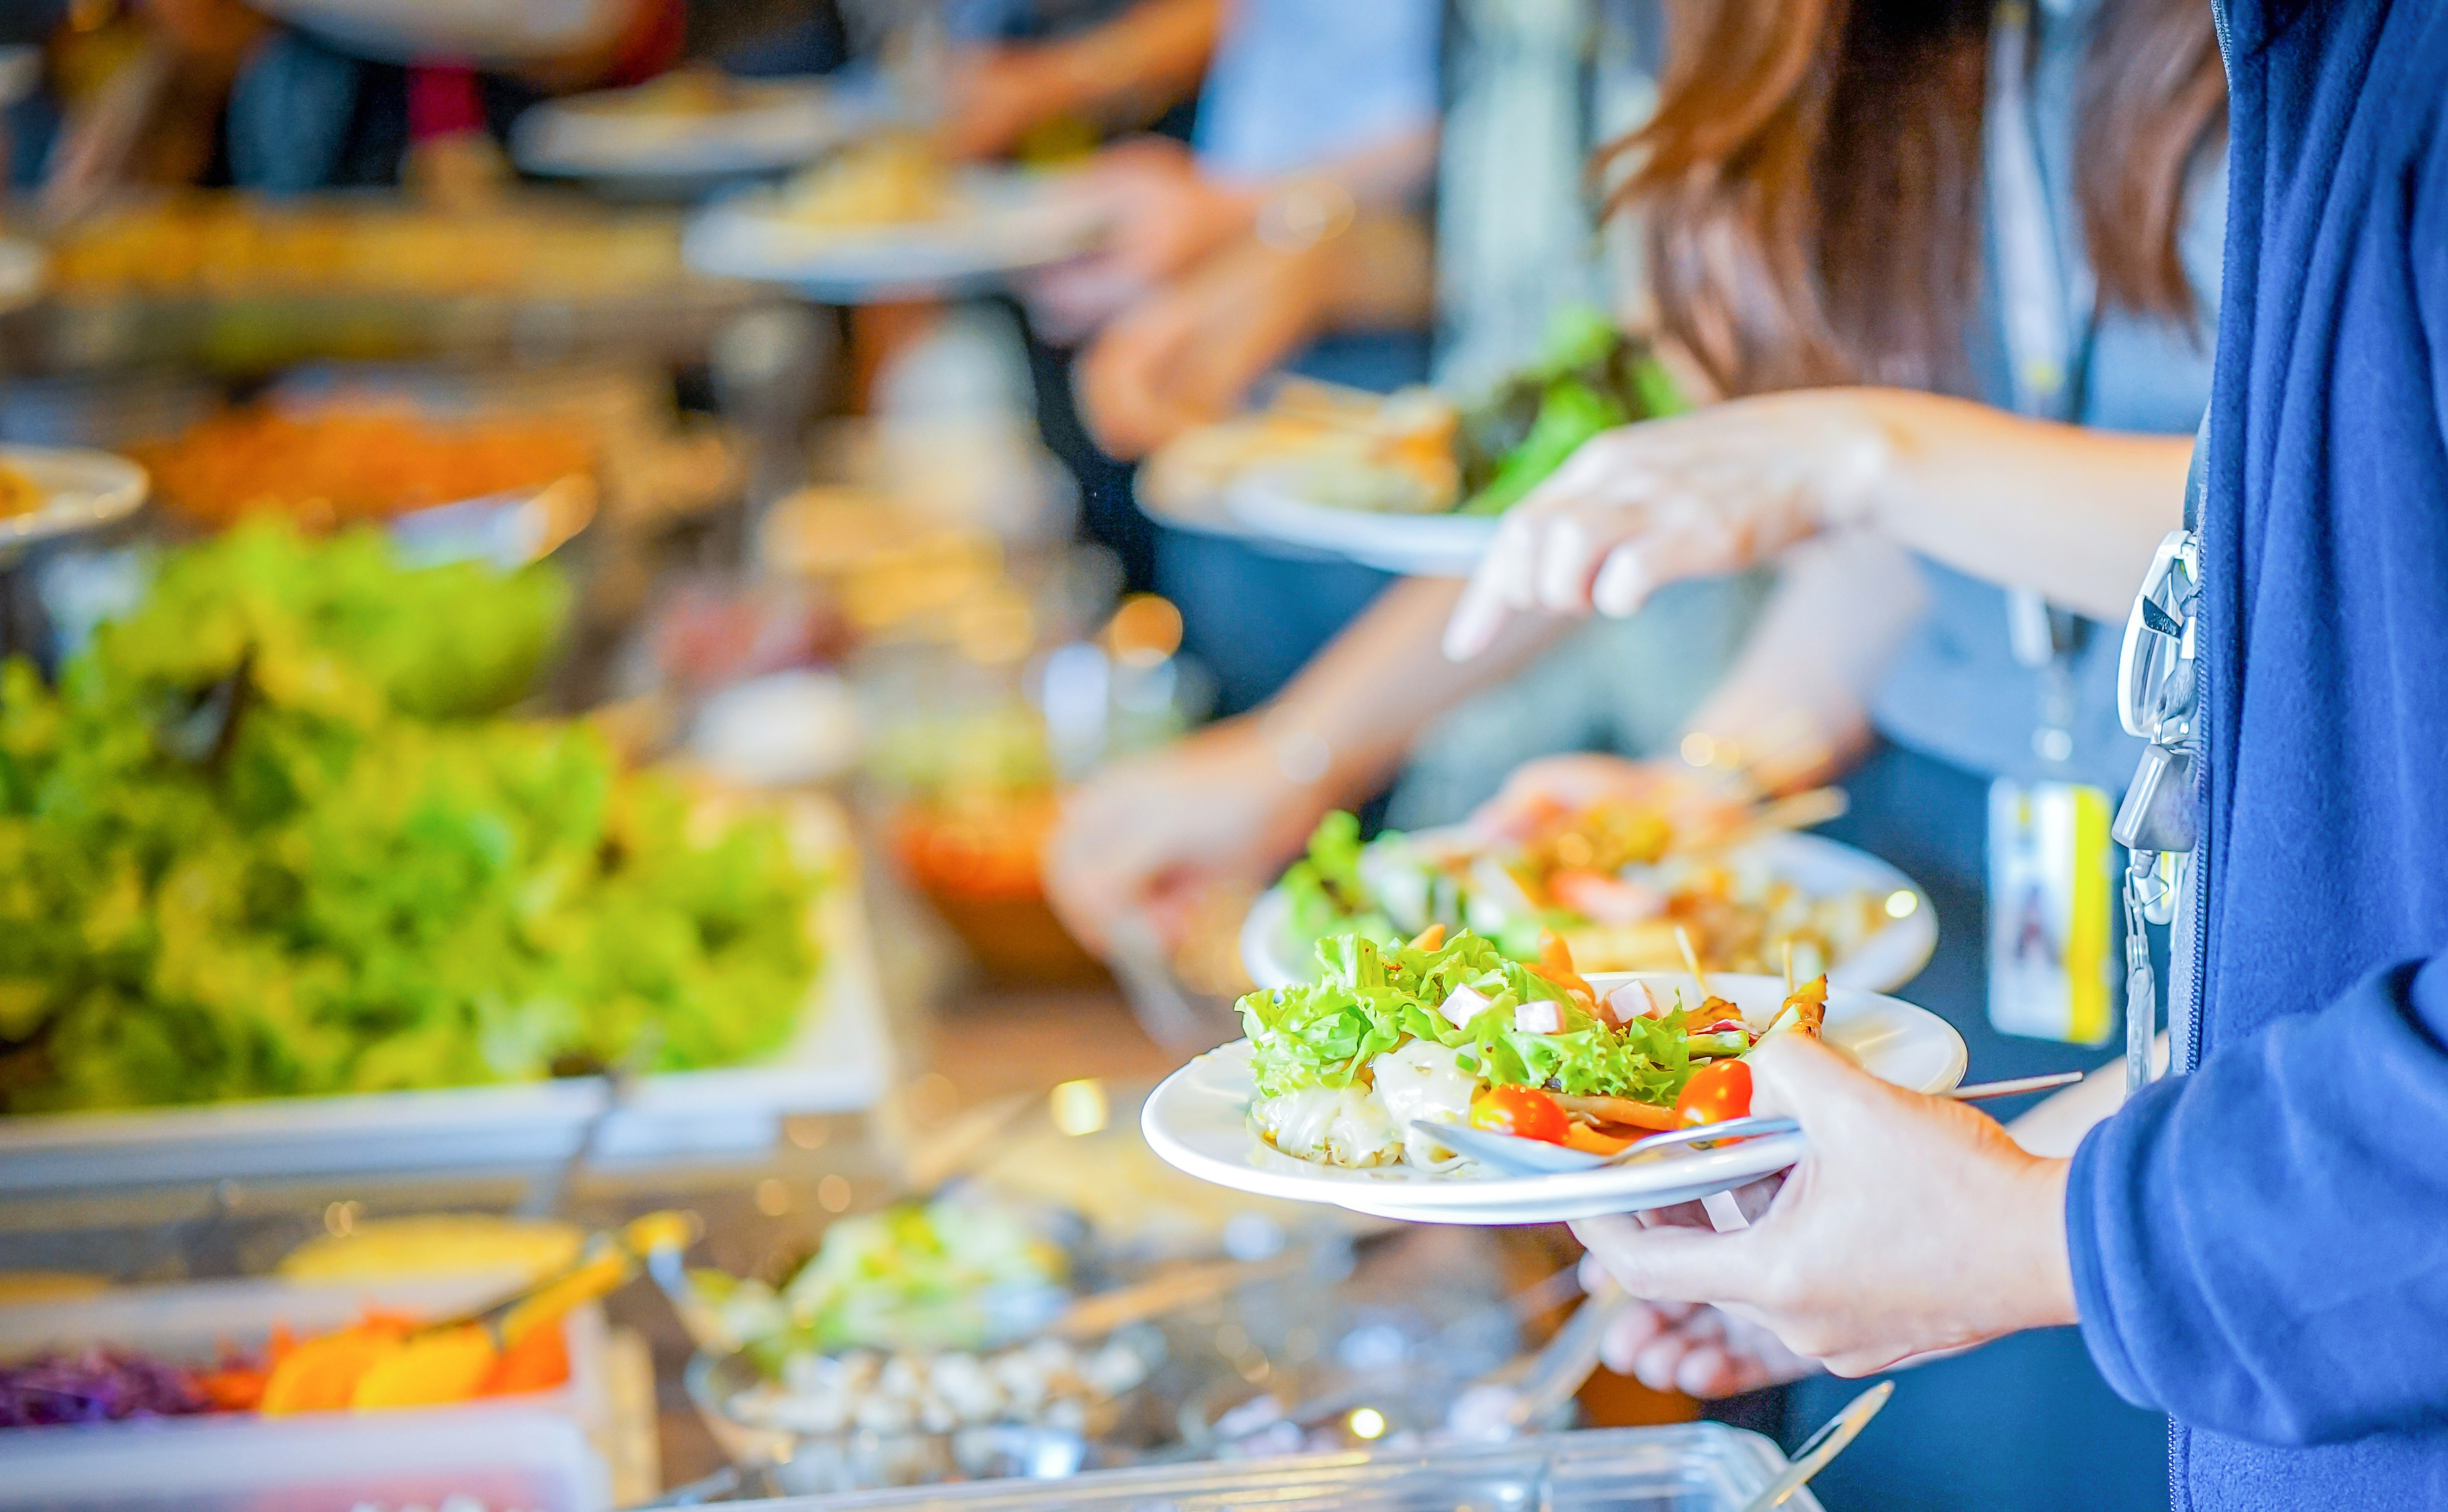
[840,1061]
[540,1450]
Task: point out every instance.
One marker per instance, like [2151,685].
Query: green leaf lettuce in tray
[267,837]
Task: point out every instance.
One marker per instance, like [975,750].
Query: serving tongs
[1511,1153]
[607,1264]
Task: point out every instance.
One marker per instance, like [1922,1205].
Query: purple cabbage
[97,1385]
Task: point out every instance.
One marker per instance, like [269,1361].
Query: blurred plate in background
[1276,957]
[1418,546]
[80,492]
[472,31]
[689,125]
[1002,224]
[21,273]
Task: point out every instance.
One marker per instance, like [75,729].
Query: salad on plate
[1390,1037]
[1615,881]
[1418,451]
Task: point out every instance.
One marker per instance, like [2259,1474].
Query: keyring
[2154,671]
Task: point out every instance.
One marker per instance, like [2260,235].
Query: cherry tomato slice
[1525,1112]
[1718,1091]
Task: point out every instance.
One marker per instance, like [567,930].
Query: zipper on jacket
[2185,1052]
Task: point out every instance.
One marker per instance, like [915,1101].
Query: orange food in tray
[341,465]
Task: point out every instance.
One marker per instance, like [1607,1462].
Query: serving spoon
[1510,1151]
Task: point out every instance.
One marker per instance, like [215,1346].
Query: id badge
[2051,878]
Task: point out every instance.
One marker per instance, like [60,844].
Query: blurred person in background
[1043,79]
[1317,271]
[1951,202]
[221,94]
[2022,206]
[1528,90]
[1315,123]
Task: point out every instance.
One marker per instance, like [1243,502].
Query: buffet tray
[840,1061]
[1687,1467]
[542,1450]
[253,334]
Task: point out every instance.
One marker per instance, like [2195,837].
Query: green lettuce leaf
[1325,888]
[1371,998]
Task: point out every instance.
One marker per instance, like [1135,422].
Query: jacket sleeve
[2261,1248]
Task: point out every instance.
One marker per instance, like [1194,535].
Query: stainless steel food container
[1687,1467]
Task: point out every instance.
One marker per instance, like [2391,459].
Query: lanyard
[2046,299]
[2159,687]
[2047,307]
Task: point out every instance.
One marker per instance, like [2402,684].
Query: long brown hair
[1812,178]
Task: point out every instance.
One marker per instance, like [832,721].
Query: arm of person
[1167,214]
[155,119]
[2257,1245]
[1233,802]
[1706,1352]
[2253,1248]
[1126,72]
[1794,709]
[1791,712]
[1186,355]
[2070,513]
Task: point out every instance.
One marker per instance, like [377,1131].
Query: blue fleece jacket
[2261,1246]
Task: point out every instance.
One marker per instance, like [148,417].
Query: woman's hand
[1913,1225]
[1165,214]
[998,94]
[1186,355]
[1147,836]
[1541,792]
[1716,490]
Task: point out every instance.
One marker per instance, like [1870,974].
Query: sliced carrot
[1556,965]
[233,1388]
[322,1375]
[1619,1110]
[1431,938]
[1581,1137]
[538,1361]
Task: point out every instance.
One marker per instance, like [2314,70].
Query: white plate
[1420,546]
[83,490]
[1274,957]
[21,273]
[789,123]
[1197,1121]
[475,32]
[1009,222]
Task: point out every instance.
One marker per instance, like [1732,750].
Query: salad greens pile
[947,1275]
[1326,891]
[266,838]
[1329,893]
[1371,998]
[1589,377]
